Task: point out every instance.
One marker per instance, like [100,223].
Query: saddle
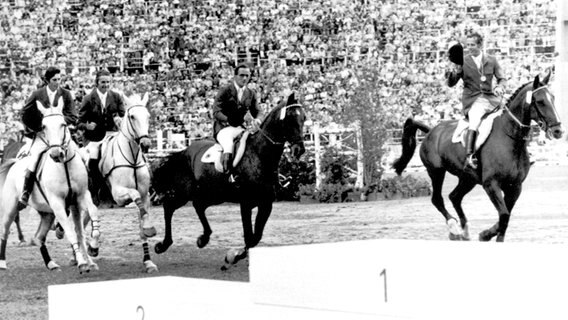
[484,130]
[213,154]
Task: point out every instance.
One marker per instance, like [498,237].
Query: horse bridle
[532,103]
[283,111]
[131,131]
[64,145]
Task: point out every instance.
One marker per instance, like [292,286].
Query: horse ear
[547,76]
[145,98]
[60,105]
[536,83]
[291,99]
[40,107]
[125,99]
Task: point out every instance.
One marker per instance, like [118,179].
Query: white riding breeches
[480,107]
[226,136]
[33,149]
[94,147]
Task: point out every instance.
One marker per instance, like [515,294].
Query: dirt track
[540,216]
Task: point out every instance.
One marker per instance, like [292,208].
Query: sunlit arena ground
[540,216]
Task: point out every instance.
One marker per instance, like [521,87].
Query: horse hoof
[202,241]
[72,262]
[3,265]
[59,233]
[94,266]
[149,232]
[83,268]
[52,266]
[150,266]
[484,236]
[455,237]
[93,252]
[162,247]
[500,238]
[24,243]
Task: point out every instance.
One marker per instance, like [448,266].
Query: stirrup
[471,161]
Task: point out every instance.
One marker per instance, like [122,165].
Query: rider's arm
[218,106]
[454,75]
[69,111]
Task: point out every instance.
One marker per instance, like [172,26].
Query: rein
[282,116]
[130,136]
[519,122]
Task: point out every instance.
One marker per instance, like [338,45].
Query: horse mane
[283,103]
[516,93]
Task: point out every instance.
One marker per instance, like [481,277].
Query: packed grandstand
[182,51]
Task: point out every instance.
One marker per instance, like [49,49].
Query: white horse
[60,187]
[125,169]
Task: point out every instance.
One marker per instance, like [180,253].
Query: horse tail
[408,143]
[163,170]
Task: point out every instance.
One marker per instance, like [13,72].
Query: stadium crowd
[182,51]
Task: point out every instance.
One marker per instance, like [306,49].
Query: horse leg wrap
[146,251]
[45,255]
[95,226]
[3,249]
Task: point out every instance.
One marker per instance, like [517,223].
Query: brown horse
[183,176]
[503,158]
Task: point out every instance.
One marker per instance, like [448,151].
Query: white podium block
[171,298]
[147,298]
[416,279]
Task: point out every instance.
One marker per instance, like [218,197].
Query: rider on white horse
[100,114]
[234,104]
[49,95]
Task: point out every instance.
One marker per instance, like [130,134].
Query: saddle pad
[483,131]
[106,166]
[213,154]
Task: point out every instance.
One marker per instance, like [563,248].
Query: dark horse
[182,177]
[503,158]
[9,155]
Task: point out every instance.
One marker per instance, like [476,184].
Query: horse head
[136,122]
[54,129]
[542,107]
[286,124]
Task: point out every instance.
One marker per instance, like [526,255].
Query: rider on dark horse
[234,105]
[100,114]
[477,70]
[49,95]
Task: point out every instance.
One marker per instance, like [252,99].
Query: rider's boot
[27,189]
[227,162]
[96,179]
[471,159]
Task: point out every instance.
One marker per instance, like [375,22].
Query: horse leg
[19,229]
[58,208]
[9,213]
[203,239]
[41,235]
[264,211]
[170,205]
[90,212]
[76,214]
[456,196]
[235,255]
[496,197]
[437,177]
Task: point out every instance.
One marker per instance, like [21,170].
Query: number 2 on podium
[384,274]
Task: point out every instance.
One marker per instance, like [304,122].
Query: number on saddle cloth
[213,154]
[484,130]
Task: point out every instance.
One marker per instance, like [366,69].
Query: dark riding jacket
[228,111]
[91,110]
[32,117]
[473,85]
